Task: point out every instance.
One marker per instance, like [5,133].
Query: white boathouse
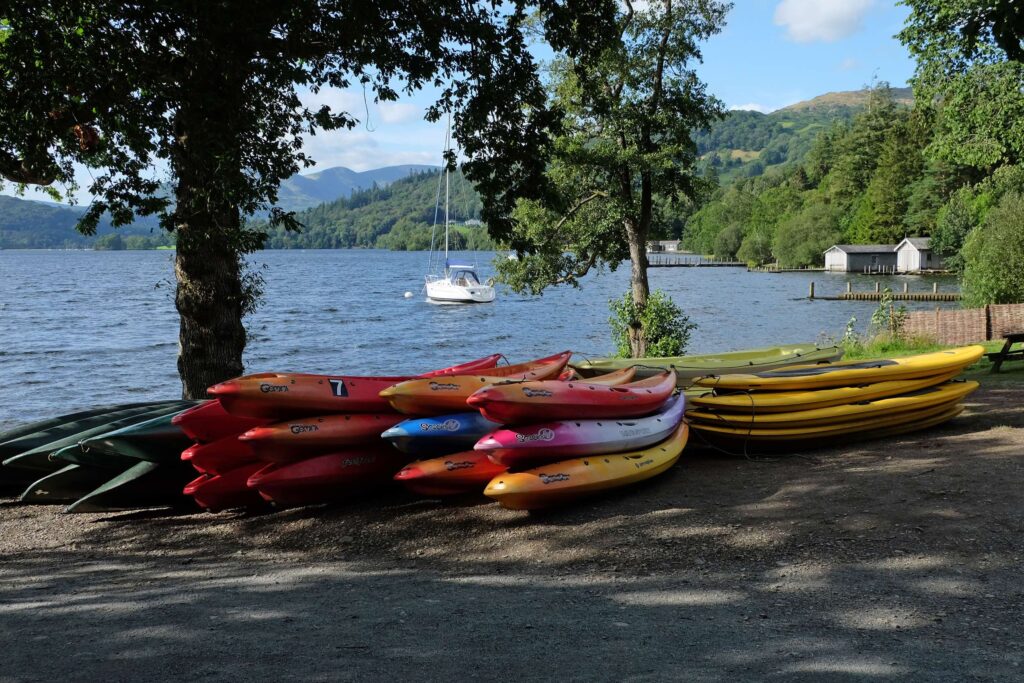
[914,254]
[859,258]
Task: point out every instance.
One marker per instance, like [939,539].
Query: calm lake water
[86,328]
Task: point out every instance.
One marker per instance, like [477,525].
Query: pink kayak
[545,442]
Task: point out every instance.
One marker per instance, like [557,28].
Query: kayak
[217,457]
[552,400]
[570,480]
[227,490]
[66,485]
[37,458]
[76,455]
[611,379]
[144,485]
[944,394]
[759,402]
[468,471]
[553,441]
[283,395]
[864,428]
[846,373]
[209,422]
[327,478]
[435,436]
[730,362]
[448,395]
[303,437]
[155,440]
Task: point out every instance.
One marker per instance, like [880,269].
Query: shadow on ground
[897,560]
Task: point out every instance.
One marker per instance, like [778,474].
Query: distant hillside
[303,191]
[747,143]
[26,224]
[849,98]
[398,216]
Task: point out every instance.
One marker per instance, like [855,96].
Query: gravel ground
[896,560]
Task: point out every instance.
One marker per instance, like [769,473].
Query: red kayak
[528,402]
[283,395]
[220,456]
[450,475]
[326,478]
[209,422]
[227,490]
[303,437]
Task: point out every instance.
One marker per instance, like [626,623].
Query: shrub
[993,256]
[666,328]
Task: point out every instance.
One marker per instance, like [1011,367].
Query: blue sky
[771,54]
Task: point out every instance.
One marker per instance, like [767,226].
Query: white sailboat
[456,283]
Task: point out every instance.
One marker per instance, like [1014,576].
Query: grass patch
[882,346]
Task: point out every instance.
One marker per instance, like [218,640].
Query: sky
[772,53]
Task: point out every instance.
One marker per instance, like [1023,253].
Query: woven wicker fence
[955,327]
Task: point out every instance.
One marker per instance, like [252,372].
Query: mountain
[28,224]
[746,143]
[303,191]
[396,216]
[849,98]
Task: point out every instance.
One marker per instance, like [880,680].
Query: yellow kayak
[759,402]
[688,367]
[944,394]
[568,480]
[847,373]
[866,428]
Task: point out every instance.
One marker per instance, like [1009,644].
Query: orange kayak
[449,475]
[543,401]
[439,396]
[303,437]
[282,395]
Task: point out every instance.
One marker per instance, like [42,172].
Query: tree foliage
[211,91]
[622,152]
[993,256]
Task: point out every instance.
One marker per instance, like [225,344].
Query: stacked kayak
[561,439]
[297,439]
[689,367]
[824,403]
[104,459]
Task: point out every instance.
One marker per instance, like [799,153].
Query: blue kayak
[439,435]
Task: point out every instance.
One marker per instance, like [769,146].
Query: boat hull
[450,475]
[327,478]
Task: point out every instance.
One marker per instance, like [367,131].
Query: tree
[970,69]
[211,90]
[623,139]
[994,256]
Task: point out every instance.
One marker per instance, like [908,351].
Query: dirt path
[898,560]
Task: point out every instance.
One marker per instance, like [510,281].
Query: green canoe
[76,455]
[37,457]
[65,485]
[731,362]
[156,440]
[144,485]
[30,436]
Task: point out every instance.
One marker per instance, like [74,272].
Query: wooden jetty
[690,261]
[877,294]
[775,269]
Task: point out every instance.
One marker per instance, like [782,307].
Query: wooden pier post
[849,287]
[935,288]
[810,294]
[877,288]
[906,287]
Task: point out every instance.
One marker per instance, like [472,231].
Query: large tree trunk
[639,287]
[211,298]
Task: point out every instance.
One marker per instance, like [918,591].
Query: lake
[86,328]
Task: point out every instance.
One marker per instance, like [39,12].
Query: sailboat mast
[446,217]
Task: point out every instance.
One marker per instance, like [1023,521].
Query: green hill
[747,143]
[26,224]
[398,216]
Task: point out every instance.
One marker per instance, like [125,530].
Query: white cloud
[752,106]
[849,64]
[399,112]
[825,20]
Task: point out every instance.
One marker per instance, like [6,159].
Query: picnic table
[1008,352]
